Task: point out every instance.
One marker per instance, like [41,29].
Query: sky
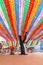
[2,39]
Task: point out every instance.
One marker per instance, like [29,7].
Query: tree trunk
[12,51]
[21,45]
[22,49]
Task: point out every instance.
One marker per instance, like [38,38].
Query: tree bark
[22,49]
[22,44]
[12,51]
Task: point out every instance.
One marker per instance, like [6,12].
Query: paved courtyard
[30,59]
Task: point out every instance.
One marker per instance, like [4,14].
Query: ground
[30,59]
